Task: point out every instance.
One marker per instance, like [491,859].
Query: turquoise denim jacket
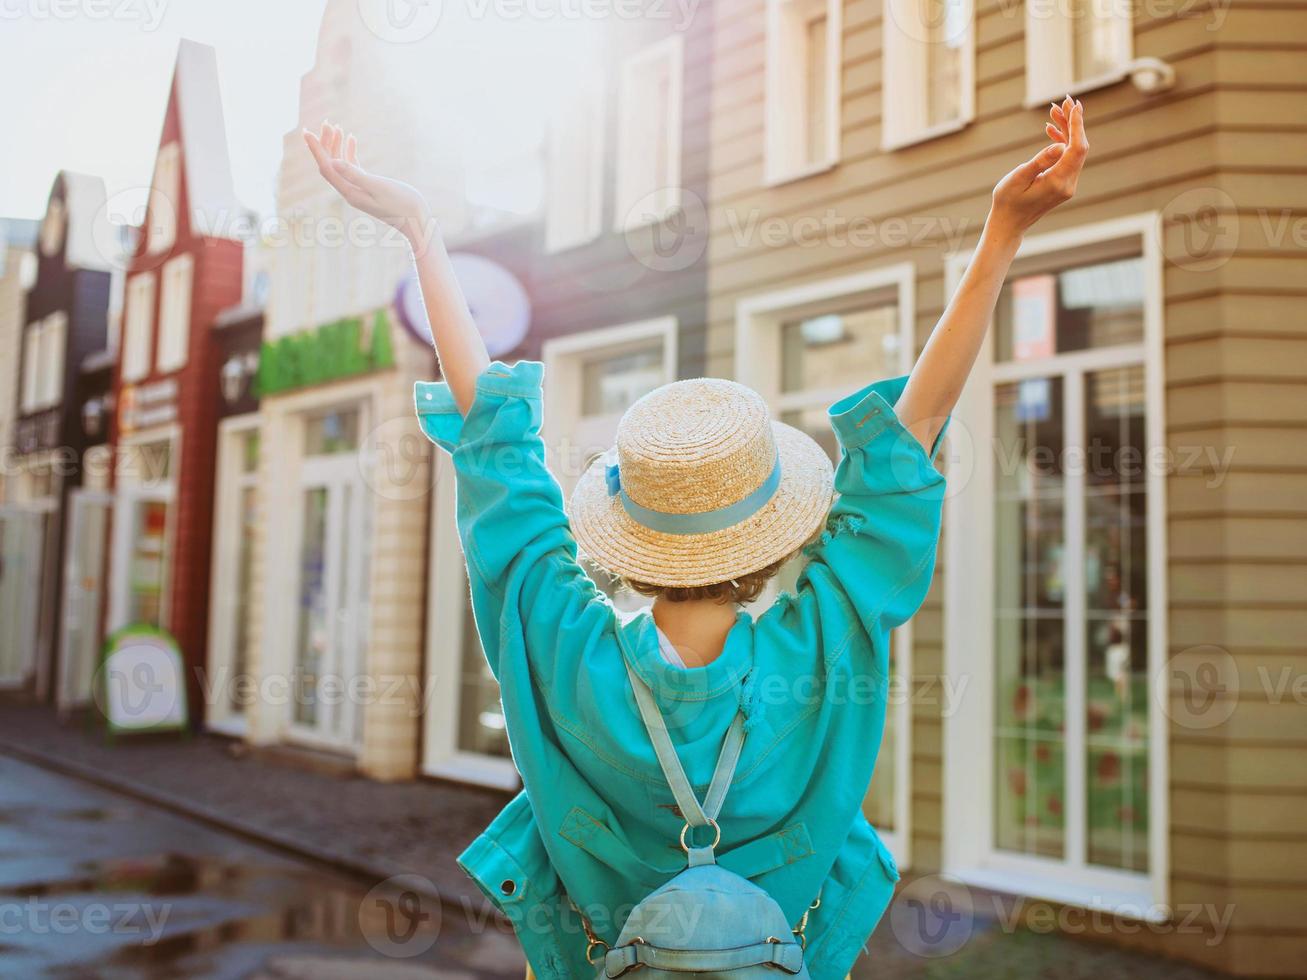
[596,828]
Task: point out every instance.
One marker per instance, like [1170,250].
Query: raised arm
[459,346]
[1020,199]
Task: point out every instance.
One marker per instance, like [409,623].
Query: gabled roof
[206,160]
[89,236]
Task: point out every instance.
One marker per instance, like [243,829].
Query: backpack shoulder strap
[696,814]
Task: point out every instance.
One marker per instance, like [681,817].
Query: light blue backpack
[707,920]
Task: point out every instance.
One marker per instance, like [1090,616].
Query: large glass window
[1071,597]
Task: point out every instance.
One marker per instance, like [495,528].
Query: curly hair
[742,588]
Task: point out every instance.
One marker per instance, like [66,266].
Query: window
[927,87]
[649,135]
[1075,46]
[165,200]
[175,313]
[31,367]
[50,376]
[575,201]
[803,348]
[1068,798]
[139,324]
[803,87]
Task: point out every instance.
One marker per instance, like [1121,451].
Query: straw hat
[702,487]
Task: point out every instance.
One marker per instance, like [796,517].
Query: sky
[85,84]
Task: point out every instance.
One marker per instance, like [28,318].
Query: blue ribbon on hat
[704,522]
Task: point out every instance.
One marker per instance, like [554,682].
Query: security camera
[1151,75]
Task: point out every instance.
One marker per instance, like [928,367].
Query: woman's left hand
[1049,178]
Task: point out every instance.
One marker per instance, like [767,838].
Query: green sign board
[330,352]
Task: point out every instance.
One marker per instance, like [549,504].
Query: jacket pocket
[749,860]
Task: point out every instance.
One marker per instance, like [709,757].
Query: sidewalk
[376,830]
[365,828]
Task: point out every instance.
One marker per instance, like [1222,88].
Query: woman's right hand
[398,204]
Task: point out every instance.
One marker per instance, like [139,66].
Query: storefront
[86,548]
[236,516]
[337,557]
[65,320]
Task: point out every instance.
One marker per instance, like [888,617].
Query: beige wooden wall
[1232,134]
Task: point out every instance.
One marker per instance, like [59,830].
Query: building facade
[185,268]
[17,272]
[1081,712]
[343,474]
[614,271]
[65,319]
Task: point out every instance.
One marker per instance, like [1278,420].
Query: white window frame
[177,281]
[232,482]
[786,115]
[53,347]
[30,400]
[633,124]
[758,322]
[165,199]
[968,853]
[564,185]
[447,614]
[564,358]
[138,328]
[901,69]
[1050,51]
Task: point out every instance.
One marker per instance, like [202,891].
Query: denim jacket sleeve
[520,554]
[870,569]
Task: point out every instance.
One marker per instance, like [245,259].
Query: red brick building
[186,267]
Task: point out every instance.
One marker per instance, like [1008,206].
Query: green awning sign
[342,349]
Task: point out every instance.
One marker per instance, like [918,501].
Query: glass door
[83,599]
[22,537]
[1066,509]
[236,524]
[332,564]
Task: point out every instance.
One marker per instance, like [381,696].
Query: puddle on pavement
[263,905]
